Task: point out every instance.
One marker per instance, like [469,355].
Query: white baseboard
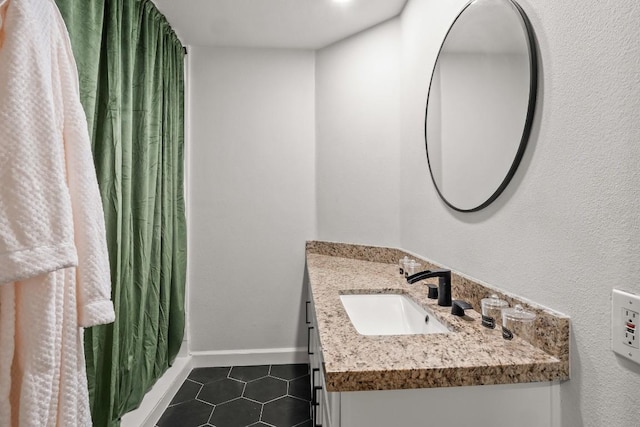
[259,356]
[158,398]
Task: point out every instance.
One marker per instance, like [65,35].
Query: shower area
[131,73]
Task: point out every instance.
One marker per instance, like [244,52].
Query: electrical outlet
[625,324]
[630,320]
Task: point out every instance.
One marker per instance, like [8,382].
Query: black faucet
[444,284]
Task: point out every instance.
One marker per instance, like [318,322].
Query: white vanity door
[522,405]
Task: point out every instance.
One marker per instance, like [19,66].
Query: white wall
[567,229]
[357,138]
[252,198]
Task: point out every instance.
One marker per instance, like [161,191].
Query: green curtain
[131,68]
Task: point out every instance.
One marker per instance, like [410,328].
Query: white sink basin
[389,314]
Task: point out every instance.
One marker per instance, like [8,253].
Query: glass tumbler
[518,322]
[492,311]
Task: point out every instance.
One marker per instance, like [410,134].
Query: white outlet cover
[625,303]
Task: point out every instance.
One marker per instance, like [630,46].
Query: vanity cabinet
[325,406]
[468,376]
[504,405]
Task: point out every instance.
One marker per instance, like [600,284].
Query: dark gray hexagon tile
[184,411]
[207,375]
[301,387]
[285,412]
[265,389]
[289,372]
[237,413]
[221,391]
[188,414]
[249,373]
[188,391]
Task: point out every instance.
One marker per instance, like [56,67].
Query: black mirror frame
[533,88]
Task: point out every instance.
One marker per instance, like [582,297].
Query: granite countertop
[470,355]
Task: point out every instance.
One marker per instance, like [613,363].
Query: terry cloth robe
[54,268]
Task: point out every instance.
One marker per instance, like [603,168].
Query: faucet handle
[458,307]
[433,291]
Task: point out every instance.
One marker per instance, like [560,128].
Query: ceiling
[304,24]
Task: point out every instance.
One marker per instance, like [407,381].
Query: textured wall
[357,138]
[566,231]
[251,200]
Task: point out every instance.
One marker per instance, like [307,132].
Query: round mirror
[480,104]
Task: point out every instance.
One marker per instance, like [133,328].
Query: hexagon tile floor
[241,396]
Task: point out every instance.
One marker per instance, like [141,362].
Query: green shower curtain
[131,67]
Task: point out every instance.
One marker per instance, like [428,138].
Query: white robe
[54,268]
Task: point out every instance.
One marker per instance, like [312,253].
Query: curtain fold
[131,67]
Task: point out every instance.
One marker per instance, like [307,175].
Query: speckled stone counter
[470,355]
